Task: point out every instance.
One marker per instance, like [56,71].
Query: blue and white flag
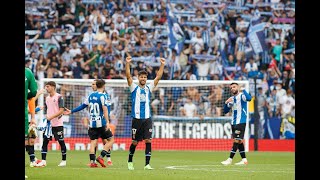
[42,124]
[256,36]
[45,126]
[176,36]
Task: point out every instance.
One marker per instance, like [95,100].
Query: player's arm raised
[41,91]
[246,96]
[160,72]
[128,74]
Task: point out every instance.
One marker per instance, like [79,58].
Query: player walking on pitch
[141,111]
[105,136]
[238,104]
[30,92]
[99,122]
[54,107]
[32,129]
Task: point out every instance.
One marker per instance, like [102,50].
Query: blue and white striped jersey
[239,108]
[241,41]
[108,103]
[96,101]
[141,100]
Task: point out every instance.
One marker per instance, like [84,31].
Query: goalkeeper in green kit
[31,88]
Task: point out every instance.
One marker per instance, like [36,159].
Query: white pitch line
[84,168]
[219,164]
[191,167]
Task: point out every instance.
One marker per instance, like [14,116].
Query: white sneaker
[33,164]
[244,161]
[227,162]
[63,163]
[42,163]
[25,176]
[130,166]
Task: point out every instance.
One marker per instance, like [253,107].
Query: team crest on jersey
[237,132]
[142,98]
[234,105]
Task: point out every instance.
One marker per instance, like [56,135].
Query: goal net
[187,115]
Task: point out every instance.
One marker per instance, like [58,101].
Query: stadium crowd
[84,39]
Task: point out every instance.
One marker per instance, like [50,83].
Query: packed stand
[84,39]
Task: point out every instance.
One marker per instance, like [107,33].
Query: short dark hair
[234,83]
[51,83]
[142,72]
[100,83]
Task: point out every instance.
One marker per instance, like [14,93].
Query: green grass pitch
[167,165]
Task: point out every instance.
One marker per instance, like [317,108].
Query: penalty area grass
[167,165]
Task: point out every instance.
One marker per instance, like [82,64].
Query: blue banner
[142,48]
[205,57]
[181,1]
[272,128]
[92,1]
[238,8]
[256,36]
[176,36]
[195,23]
[288,51]
[145,13]
[146,1]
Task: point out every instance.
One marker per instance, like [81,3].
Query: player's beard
[142,83]
[235,92]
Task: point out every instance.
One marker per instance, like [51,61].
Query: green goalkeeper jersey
[30,85]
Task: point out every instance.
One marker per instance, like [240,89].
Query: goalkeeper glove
[32,131]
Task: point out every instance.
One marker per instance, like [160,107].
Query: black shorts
[102,132]
[57,132]
[141,129]
[238,131]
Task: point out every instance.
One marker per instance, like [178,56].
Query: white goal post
[207,129]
